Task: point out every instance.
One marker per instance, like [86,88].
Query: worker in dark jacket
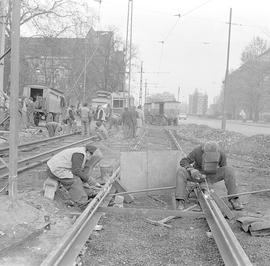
[72,168]
[206,163]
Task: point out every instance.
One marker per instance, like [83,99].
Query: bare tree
[247,88]
[54,17]
[255,48]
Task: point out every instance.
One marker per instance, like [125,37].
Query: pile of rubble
[256,147]
[201,133]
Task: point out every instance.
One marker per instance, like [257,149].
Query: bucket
[106,169]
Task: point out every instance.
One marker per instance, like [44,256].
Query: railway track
[33,154]
[230,249]
[67,250]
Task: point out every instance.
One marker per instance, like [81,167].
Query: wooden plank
[147,212]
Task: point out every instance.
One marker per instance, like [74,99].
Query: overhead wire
[179,16]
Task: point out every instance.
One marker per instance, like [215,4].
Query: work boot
[180,205]
[236,204]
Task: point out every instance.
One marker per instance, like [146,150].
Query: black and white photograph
[134,132]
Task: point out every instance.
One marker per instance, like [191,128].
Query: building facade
[60,62]
[198,103]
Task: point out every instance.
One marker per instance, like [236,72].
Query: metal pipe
[246,193]
[143,190]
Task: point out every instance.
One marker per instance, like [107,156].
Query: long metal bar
[230,249]
[43,157]
[27,144]
[68,249]
[144,190]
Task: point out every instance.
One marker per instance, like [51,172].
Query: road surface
[248,128]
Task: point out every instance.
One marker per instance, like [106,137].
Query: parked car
[182,116]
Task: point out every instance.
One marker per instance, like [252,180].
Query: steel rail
[27,144]
[230,249]
[67,250]
[42,157]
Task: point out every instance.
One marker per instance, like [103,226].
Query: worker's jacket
[63,160]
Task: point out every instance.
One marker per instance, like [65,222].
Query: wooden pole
[141,85]
[2,40]
[223,124]
[126,58]
[14,95]
[130,51]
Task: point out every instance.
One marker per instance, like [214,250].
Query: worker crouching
[206,163]
[72,168]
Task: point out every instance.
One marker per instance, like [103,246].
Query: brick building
[60,63]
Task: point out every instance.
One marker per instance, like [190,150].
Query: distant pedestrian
[134,117]
[71,118]
[85,118]
[243,115]
[140,120]
[30,111]
[126,123]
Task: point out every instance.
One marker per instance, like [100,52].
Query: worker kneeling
[206,163]
[72,168]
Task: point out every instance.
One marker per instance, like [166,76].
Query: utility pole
[145,91]
[223,123]
[178,95]
[85,66]
[130,50]
[14,95]
[2,40]
[141,85]
[125,56]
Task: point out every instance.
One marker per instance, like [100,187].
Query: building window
[118,103]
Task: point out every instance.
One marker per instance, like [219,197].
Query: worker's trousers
[225,173]
[74,186]
[85,127]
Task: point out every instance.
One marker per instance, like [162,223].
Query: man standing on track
[85,118]
[72,168]
[206,163]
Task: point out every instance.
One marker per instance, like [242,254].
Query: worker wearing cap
[72,168]
[206,163]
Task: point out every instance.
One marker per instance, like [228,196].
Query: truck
[162,113]
[48,101]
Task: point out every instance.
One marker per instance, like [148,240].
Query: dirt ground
[131,240]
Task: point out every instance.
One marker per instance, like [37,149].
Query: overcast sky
[194,51]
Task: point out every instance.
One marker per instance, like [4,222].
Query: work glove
[196,175]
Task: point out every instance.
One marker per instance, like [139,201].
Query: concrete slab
[149,169]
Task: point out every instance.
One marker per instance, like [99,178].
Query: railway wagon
[47,101]
[162,113]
